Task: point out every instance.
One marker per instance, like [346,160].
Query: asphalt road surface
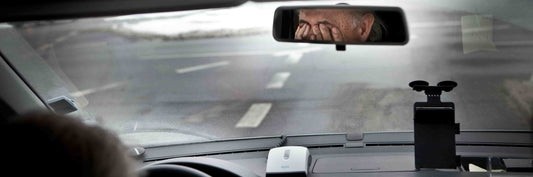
[251,85]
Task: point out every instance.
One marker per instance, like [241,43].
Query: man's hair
[378,31]
[54,145]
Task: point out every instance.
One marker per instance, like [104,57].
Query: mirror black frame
[14,11]
[277,26]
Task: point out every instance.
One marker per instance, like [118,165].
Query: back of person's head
[54,145]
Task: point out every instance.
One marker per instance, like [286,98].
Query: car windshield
[211,74]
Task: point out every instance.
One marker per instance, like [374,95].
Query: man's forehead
[309,12]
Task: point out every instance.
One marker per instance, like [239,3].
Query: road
[251,85]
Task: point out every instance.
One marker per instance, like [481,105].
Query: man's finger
[298,33]
[316,31]
[312,37]
[306,32]
[337,36]
[326,34]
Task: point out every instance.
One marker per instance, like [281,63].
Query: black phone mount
[435,127]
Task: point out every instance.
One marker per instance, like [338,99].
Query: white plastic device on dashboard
[288,161]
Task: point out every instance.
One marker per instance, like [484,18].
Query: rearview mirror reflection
[340,25]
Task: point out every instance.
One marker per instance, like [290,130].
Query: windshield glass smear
[218,73]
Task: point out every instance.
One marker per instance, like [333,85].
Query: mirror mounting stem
[340,47]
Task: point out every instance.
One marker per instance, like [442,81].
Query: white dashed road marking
[62,38]
[58,40]
[278,80]
[46,46]
[93,90]
[227,54]
[302,50]
[202,67]
[255,115]
[294,58]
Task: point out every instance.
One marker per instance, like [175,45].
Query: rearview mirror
[341,24]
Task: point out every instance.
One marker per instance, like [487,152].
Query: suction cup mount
[433,92]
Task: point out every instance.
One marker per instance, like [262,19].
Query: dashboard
[365,155]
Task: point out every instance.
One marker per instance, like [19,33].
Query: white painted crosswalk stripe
[255,115]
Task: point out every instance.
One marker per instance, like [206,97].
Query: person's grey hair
[378,31]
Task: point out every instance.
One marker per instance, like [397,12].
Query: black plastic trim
[54,10]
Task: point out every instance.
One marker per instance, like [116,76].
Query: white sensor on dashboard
[288,160]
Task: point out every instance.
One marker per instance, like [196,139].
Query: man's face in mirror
[338,25]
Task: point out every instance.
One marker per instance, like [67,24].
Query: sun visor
[24,10]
